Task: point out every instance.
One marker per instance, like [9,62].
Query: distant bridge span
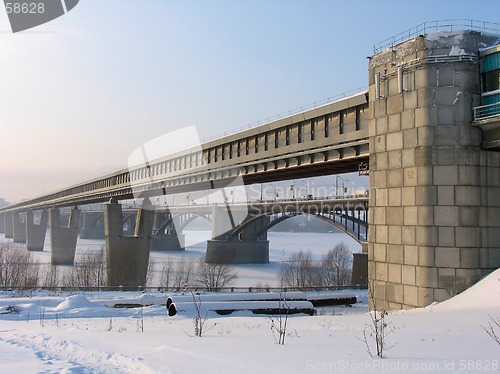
[349,215]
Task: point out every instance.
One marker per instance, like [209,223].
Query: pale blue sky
[80,93]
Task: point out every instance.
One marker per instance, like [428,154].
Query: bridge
[252,221]
[428,127]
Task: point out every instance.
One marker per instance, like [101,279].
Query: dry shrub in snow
[214,276]
[493,329]
[89,270]
[17,267]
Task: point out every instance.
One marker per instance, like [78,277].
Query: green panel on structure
[492,99]
[491,62]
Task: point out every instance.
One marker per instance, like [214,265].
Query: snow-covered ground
[80,334]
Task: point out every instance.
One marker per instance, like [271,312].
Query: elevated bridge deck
[329,139]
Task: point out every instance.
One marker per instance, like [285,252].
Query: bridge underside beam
[312,170]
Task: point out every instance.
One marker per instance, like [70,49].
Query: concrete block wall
[434,193]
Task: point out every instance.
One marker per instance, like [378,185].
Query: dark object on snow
[130,305]
[333,300]
[12,309]
[172,310]
[169,301]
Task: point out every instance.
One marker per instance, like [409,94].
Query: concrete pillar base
[237,252]
[19,228]
[63,239]
[35,234]
[2,223]
[9,231]
[360,269]
[168,242]
[127,258]
[92,233]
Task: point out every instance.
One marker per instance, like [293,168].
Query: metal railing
[441,25]
[484,112]
[289,113]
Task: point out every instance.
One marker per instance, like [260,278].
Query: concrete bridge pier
[127,257]
[170,241]
[250,247]
[434,201]
[2,223]
[360,267]
[63,239]
[19,227]
[167,238]
[35,234]
[90,228]
[9,231]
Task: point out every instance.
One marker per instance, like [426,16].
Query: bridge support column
[168,242]
[35,234]
[63,239]
[128,257]
[227,251]
[19,227]
[167,239]
[434,192]
[2,223]
[360,268]
[252,246]
[9,230]
[90,228]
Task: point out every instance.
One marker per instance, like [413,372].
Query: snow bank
[485,294]
[74,302]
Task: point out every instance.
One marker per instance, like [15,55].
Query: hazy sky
[79,94]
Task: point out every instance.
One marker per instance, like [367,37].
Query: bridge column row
[127,257]
[2,223]
[21,228]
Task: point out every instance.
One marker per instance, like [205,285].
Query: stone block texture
[434,192]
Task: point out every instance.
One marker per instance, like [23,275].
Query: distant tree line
[301,271]
[19,270]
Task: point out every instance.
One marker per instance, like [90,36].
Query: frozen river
[282,245]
